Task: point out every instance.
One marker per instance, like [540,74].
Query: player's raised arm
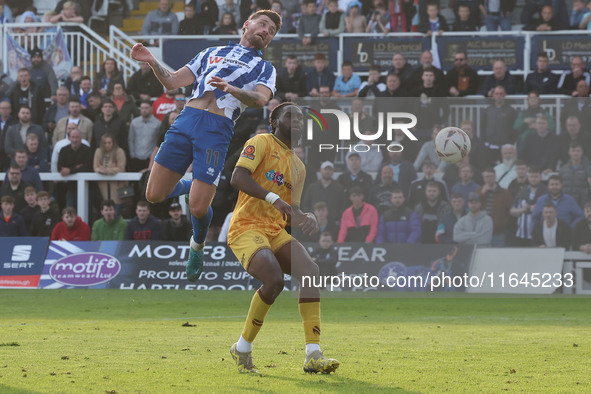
[242,180]
[169,79]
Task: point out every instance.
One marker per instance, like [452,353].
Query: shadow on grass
[8,389]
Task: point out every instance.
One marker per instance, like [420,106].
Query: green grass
[135,341]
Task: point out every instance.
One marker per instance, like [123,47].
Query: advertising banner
[364,52]
[561,49]
[21,261]
[482,51]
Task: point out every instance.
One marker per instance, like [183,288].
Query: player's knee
[311,269]
[153,196]
[276,284]
[199,211]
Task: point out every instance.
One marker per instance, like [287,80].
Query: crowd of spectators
[108,125]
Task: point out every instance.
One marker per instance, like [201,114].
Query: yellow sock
[310,312]
[256,315]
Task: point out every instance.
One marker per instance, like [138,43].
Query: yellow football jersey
[275,168]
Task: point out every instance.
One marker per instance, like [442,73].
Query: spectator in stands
[93,109]
[162,21]
[108,76]
[73,158]
[533,8]
[226,25]
[110,227]
[84,124]
[326,189]
[380,21]
[573,133]
[84,93]
[12,224]
[16,134]
[580,106]
[143,135]
[56,111]
[445,229]
[497,125]
[37,159]
[109,122]
[144,226]
[526,119]
[31,208]
[567,208]
[72,83]
[44,221]
[291,80]
[428,153]
[233,8]
[393,87]
[71,11]
[15,187]
[5,13]
[372,87]
[567,84]
[319,76]
[177,227]
[542,80]
[399,224]
[576,174]
[500,77]
[347,84]
[581,235]
[125,105]
[539,148]
[520,180]
[60,144]
[497,14]
[401,68]
[332,23]
[466,185]
[426,63]
[325,256]
[430,211]
[576,15]
[164,104]
[416,194]
[42,74]
[25,93]
[29,175]
[404,172]
[309,23]
[497,202]
[71,228]
[464,19]
[364,120]
[523,206]
[6,119]
[546,21]
[359,222]
[109,159]
[210,13]
[586,19]
[379,194]
[505,171]
[434,23]
[191,25]
[354,176]
[431,109]
[29,16]
[355,22]
[371,155]
[462,79]
[143,84]
[475,228]
[551,232]
[403,9]
[179,101]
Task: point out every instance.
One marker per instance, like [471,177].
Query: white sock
[195,246]
[311,347]
[243,346]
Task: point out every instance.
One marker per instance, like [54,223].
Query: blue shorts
[198,136]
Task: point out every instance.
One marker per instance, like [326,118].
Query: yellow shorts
[247,244]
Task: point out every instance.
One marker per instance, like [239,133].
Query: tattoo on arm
[160,71]
[249,98]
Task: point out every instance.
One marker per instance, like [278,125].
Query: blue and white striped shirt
[236,64]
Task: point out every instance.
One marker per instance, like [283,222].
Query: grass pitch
[178,341]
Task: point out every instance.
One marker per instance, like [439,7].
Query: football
[452,144]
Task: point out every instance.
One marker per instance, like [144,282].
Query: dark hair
[356,190]
[555,178]
[7,199]
[397,191]
[457,195]
[347,63]
[74,100]
[42,194]
[143,203]
[85,77]
[544,54]
[520,163]
[320,205]
[375,67]
[274,116]
[108,101]
[489,169]
[69,211]
[107,203]
[534,169]
[292,57]
[432,184]
[326,234]
[573,144]
[549,205]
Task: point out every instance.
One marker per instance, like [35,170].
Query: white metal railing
[88,50]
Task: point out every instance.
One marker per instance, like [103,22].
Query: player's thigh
[161,183]
[253,249]
[295,259]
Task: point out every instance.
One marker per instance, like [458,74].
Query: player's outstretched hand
[309,224]
[219,83]
[140,53]
[284,208]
